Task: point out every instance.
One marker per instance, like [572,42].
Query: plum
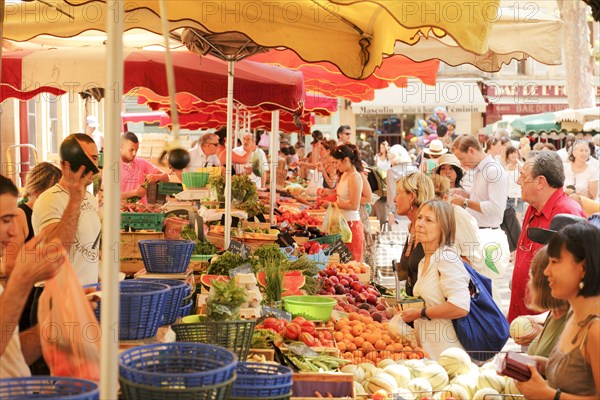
[339,289]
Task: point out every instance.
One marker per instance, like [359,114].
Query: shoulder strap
[585,327]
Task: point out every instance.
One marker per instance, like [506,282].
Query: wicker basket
[233,335]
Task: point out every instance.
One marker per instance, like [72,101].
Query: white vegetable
[489,379]
[400,373]
[487,394]
[455,361]
[436,375]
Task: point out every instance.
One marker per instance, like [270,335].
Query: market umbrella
[353,35]
[327,78]
[535,123]
[81,69]
[197,114]
[517,33]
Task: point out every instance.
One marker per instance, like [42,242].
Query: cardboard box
[306,385]
[129,243]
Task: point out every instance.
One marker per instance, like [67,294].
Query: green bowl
[314,308]
[195,180]
[192,319]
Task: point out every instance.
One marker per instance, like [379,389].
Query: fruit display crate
[308,386]
[142,221]
[129,243]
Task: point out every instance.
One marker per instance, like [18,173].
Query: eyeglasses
[529,246]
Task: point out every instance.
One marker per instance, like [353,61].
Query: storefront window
[388,127]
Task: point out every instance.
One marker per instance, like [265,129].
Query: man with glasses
[486,203]
[204,154]
[541,179]
[343,135]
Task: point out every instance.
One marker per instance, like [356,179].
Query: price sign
[239,248]
[242,269]
[277,313]
[340,248]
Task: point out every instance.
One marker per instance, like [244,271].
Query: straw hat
[450,159]
[436,148]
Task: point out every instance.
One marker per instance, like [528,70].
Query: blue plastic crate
[185,309]
[48,387]
[177,365]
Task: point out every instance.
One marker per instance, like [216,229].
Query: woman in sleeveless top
[573,367]
[411,192]
[348,194]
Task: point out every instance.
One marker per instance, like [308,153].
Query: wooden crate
[129,243]
[305,385]
[269,354]
[131,266]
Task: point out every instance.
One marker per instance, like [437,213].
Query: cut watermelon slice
[292,280]
[206,279]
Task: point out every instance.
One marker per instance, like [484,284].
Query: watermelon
[292,282]
[206,279]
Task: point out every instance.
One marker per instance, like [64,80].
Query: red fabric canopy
[10,87]
[327,79]
[78,69]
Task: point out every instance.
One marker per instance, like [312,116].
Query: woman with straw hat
[449,167]
[432,152]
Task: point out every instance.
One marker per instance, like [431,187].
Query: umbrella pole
[273,153]
[228,149]
[109,356]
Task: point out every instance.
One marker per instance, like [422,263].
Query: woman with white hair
[401,165]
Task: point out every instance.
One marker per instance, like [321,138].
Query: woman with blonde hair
[411,192]
[443,282]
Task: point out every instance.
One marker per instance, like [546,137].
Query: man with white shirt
[91,128]
[257,157]
[486,202]
[34,262]
[204,154]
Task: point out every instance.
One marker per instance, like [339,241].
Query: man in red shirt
[542,178]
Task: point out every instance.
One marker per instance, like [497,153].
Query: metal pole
[111,235]
[228,148]
[273,154]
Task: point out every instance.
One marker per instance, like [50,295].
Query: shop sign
[415,109]
[524,109]
[525,91]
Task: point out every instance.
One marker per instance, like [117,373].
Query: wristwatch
[465,204]
[424,314]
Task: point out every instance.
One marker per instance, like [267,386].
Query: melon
[367,368]
[206,279]
[490,379]
[455,361]
[456,391]
[355,370]
[511,388]
[468,382]
[415,366]
[400,373]
[291,283]
[359,390]
[436,375]
[487,394]
[382,381]
[386,362]
[521,327]
[420,387]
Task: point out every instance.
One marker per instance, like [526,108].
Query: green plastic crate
[169,188]
[329,239]
[195,180]
[146,221]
